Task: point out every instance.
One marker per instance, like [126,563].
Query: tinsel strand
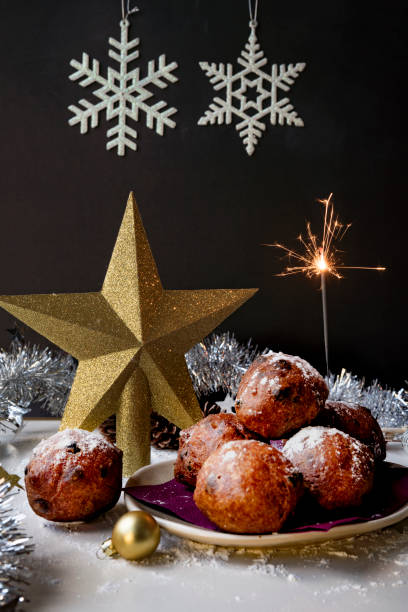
[218,363]
[389,407]
[14,546]
[30,374]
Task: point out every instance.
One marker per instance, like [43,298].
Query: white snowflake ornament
[265,86]
[123,93]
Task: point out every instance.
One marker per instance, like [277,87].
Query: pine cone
[108,428]
[164,435]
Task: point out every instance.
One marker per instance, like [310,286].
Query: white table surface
[368,572]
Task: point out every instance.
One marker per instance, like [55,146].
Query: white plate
[163,471]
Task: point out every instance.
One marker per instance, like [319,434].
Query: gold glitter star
[13,479]
[130,339]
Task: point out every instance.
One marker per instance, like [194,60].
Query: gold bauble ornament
[135,535]
[130,339]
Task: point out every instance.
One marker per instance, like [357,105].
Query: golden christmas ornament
[130,339]
[135,535]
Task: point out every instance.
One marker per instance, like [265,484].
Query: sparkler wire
[325,322]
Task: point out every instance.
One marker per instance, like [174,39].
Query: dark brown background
[206,205]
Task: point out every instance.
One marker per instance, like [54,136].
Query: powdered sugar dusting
[304,366]
[272,372]
[310,438]
[235,450]
[231,451]
[228,456]
[87,441]
[272,384]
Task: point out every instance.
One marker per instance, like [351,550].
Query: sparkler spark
[320,256]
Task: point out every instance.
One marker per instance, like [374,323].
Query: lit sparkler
[319,257]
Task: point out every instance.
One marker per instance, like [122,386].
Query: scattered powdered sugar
[370,552]
[341,588]
[108,587]
[262,565]
[402,560]
[341,553]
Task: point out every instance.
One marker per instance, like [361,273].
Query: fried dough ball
[279,393]
[200,440]
[357,421]
[337,469]
[247,486]
[73,476]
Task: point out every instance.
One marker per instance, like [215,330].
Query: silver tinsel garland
[218,363]
[14,545]
[389,407]
[30,374]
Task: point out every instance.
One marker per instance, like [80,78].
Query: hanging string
[128,11]
[253,15]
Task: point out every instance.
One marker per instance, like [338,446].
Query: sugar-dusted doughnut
[357,421]
[197,442]
[73,475]
[337,469]
[247,486]
[279,393]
